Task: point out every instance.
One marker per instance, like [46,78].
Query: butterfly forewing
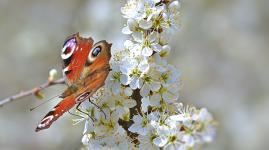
[74,55]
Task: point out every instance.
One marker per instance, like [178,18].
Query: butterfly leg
[98,107]
[78,109]
[75,114]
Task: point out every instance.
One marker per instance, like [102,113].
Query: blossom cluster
[138,107]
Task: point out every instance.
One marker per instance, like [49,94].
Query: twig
[30,92]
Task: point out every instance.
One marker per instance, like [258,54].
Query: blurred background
[221,50]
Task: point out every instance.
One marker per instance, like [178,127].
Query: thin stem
[31,91]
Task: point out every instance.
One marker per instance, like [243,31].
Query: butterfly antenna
[33,108]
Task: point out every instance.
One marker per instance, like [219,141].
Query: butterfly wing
[91,69]
[66,104]
[98,59]
[92,84]
[74,55]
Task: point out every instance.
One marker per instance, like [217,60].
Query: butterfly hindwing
[66,104]
[62,107]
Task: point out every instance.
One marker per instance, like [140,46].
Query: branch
[31,92]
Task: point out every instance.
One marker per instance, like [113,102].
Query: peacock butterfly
[85,68]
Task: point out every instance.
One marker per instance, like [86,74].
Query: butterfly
[85,68]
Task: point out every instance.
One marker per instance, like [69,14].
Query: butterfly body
[85,67]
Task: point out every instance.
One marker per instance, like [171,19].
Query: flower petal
[145,104]
[124,79]
[137,37]
[126,30]
[145,24]
[160,141]
[128,91]
[147,51]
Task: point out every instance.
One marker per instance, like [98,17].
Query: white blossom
[146,141]
[121,105]
[132,70]
[141,125]
[139,107]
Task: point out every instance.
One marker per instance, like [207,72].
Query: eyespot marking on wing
[66,70]
[67,61]
[68,48]
[82,97]
[45,121]
[94,53]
